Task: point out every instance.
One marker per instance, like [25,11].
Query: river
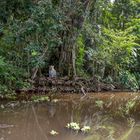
[110,116]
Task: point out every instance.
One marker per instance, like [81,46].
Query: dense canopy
[81,38]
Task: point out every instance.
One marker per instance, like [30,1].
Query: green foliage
[6,75]
[128,80]
[137,75]
[11,77]
[38,99]
[14,8]
[108,80]
[120,45]
[80,55]
[39,32]
[34,34]
[123,11]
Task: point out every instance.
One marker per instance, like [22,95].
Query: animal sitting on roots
[52,72]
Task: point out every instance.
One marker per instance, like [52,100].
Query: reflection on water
[110,116]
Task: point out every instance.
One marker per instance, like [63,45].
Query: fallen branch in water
[3,126]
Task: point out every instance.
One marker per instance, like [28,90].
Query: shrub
[128,80]
[10,76]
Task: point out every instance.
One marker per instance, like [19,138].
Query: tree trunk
[73,61]
[69,37]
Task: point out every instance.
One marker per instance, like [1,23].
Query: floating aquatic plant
[73,126]
[99,103]
[39,98]
[53,133]
[55,100]
[85,129]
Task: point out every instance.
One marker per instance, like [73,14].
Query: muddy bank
[66,85]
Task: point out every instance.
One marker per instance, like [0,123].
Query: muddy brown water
[111,116]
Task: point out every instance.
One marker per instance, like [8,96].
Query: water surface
[111,116]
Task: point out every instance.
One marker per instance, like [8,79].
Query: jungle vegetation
[79,37]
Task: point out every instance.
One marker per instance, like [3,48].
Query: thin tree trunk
[73,61]
[35,70]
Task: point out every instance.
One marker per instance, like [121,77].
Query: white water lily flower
[76,127]
[85,129]
[73,125]
[53,132]
[68,125]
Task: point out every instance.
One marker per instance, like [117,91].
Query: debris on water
[9,132]
[12,104]
[2,126]
[55,100]
[2,106]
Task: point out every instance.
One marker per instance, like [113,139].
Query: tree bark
[74,24]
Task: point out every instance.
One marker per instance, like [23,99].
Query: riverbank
[50,87]
[66,85]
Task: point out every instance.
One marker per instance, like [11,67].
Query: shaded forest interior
[94,40]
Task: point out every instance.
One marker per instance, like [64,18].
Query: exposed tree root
[66,85]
